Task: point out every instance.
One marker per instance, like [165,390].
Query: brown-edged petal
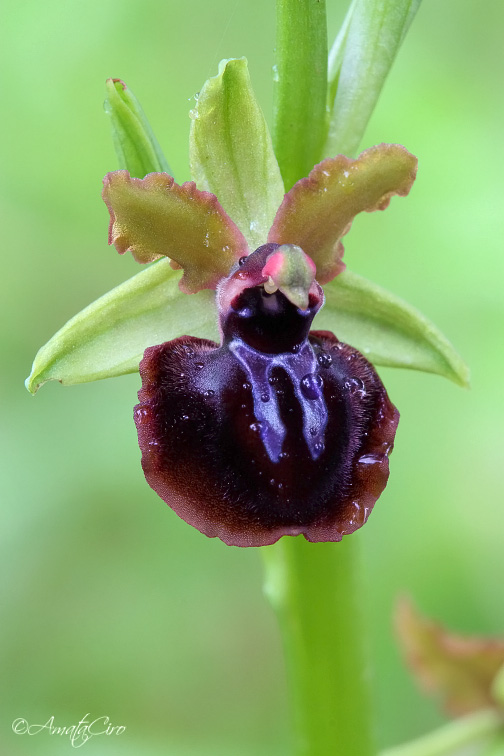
[275,432]
[459,670]
[155,217]
[319,209]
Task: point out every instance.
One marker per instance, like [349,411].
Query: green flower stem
[315,591]
[300,117]
[471,730]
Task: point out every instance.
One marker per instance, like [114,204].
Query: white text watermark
[77,733]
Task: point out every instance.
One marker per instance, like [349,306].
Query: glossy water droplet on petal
[311,386]
[369,459]
[354,385]
[324,360]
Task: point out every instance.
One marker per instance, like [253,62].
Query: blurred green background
[110,604]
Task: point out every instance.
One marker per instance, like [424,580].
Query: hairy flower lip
[202,450]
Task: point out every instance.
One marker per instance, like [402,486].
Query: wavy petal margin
[319,209]
[155,217]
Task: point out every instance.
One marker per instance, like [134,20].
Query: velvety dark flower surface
[277,431]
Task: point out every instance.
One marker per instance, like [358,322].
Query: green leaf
[109,337]
[231,154]
[359,62]
[300,80]
[466,735]
[336,57]
[136,146]
[387,330]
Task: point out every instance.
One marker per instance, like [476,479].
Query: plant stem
[300,117]
[314,588]
[469,730]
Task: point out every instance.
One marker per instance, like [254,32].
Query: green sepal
[231,153]
[109,337]
[387,330]
[136,147]
[359,62]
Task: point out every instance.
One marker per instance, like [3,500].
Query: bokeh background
[110,604]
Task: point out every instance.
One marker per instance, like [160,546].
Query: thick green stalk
[471,730]
[315,590]
[300,116]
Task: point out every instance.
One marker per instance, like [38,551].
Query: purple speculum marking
[306,383]
[276,431]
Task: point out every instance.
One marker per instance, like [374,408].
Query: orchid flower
[252,426]
[277,430]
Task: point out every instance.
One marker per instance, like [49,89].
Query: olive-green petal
[155,217]
[319,209]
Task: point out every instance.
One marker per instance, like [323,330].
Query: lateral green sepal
[109,337]
[387,330]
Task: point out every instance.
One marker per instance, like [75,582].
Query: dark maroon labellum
[278,431]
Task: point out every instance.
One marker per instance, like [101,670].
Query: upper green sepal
[109,337]
[231,153]
[387,330]
[136,147]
